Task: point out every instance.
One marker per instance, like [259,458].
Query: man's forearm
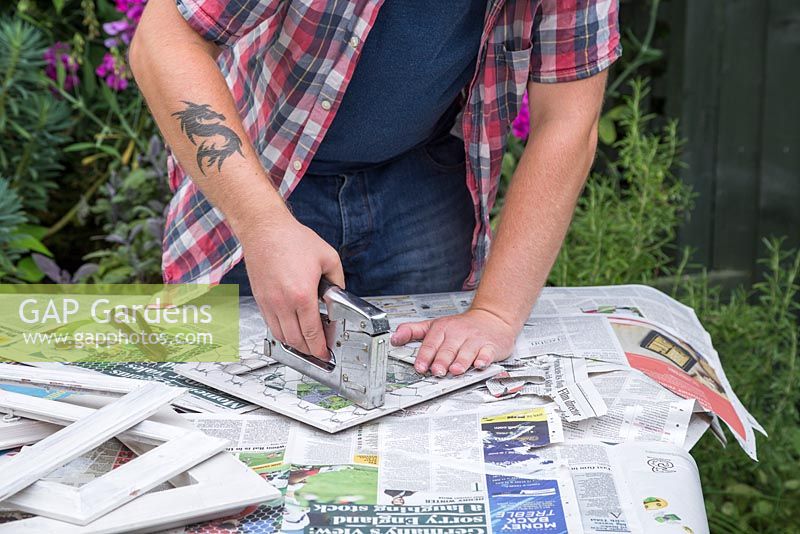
[538,209]
[189,99]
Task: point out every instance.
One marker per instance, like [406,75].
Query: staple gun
[357,335]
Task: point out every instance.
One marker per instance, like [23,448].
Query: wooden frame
[16,432]
[220,485]
[58,449]
[79,381]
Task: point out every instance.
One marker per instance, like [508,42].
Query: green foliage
[17,239]
[756,334]
[626,220]
[11,218]
[130,208]
[33,123]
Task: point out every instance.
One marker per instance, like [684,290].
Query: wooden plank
[33,462]
[694,100]
[780,144]
[738,145]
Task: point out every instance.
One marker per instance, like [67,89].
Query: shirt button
[354,41]
[326,105]
[297,164]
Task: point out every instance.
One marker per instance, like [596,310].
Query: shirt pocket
[513,67]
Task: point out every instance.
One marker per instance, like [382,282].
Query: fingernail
[420,369]
[393,339]
[456,369]
[438,371]
[480,364]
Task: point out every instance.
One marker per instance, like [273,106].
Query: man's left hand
[454,343]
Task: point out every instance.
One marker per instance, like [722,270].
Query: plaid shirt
[288,63]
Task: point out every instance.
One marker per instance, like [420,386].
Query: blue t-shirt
[417,58]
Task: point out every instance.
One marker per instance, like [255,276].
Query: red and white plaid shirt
[288,64]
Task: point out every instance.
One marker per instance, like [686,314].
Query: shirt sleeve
[574,39]
[225,21]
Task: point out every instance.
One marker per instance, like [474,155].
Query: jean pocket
[446,154]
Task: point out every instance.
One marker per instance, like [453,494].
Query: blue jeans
[404,226]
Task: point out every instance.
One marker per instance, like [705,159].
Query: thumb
[410,332]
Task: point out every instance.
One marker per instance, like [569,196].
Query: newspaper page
[639,409]
[626,300]
[679,366]
[605,506]
[576,336]
[565,380]
[429,474]
[698,425]
[246,433]
[664,485]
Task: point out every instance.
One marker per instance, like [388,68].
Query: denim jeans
[402,227]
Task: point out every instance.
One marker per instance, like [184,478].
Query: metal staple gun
[357,335]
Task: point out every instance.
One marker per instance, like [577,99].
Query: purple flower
[521,127]
[132,8]
[113,71]
[121,31]
[61,53]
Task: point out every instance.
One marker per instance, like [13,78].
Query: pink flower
[61,53]
[113,71]
[521,127]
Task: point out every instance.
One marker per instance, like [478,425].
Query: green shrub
[11,218]
[756,334]
[626,219]
[34,124]
[130,210]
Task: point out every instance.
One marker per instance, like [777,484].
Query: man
[314,139]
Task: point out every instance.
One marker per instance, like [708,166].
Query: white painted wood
[223,485]
[19,432]
[67,380]
[52,452]
[62,413]
[123,484]
[162,510]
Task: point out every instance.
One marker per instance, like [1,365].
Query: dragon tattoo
[200,121]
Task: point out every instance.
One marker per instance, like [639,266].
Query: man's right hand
[285,263]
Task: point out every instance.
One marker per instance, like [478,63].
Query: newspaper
[633,487]
[429,474]
[565,380]
[673,362]
[639,409]
[503,454]
[576,336]
[246,433]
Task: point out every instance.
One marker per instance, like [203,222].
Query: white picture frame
[67,380]
[35,461]
[220,485]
